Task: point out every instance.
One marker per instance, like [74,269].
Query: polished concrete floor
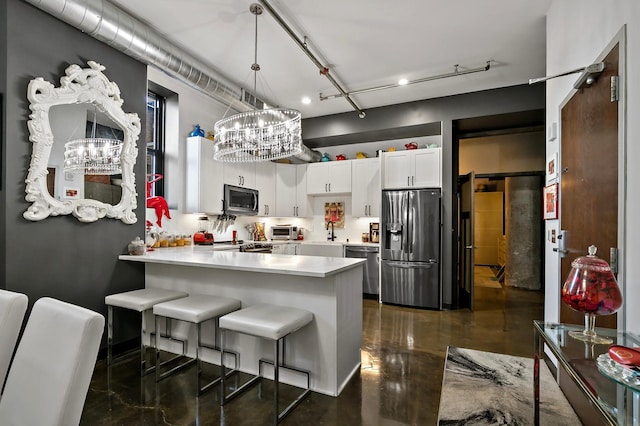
[399,382]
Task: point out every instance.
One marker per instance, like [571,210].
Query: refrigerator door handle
[409,228]
[411,265]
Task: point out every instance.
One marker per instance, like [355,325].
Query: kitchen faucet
[332,237]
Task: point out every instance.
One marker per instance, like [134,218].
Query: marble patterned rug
[484,388]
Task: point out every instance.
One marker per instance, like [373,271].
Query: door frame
[621,39]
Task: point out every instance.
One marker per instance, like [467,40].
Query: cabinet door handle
[325,188]
[408,181]
[329,187]
[413,180]
[294,210]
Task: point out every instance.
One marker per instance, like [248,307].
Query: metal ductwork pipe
[113,26]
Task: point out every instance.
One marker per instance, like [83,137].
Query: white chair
[273,323]
[50,374]
[12,309]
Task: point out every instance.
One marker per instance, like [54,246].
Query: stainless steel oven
[240,201]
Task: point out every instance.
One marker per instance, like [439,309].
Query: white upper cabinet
[303,205]
[203,180]
[291,191]
[365,183]
[266,186]
[240,174]
[427,168]
[332,177]
[416,168]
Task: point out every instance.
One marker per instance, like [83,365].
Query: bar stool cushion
[141,300]
[196,308]
[268,321]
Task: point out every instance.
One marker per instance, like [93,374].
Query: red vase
[592,289]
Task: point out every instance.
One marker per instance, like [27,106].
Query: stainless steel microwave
[284,232]
[240,201]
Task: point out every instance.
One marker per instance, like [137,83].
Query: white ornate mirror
[85,100]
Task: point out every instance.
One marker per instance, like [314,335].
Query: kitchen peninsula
[330,288]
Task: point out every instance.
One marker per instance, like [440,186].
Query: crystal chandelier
[93,156]
[260,135]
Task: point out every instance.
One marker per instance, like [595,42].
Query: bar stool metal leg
[276,380]
[109,335]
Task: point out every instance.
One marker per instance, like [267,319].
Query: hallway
[399,381]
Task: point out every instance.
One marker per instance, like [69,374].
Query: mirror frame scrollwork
[78,86]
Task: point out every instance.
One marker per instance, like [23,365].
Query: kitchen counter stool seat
[141,301]
[274,323]
[195,309]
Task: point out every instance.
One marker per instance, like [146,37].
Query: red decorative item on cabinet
[340,157]
[411,145]
[592,289]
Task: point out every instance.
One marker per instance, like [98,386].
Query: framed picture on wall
[552,167]
[550,201]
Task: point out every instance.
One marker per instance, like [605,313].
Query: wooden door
[589,181]
[466,243]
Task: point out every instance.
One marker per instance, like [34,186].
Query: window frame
[155,148]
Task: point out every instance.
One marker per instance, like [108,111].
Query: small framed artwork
[71,193]
[550,201]
[552,167]
[334,212]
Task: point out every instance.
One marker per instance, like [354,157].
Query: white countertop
[217,258]
[333,243]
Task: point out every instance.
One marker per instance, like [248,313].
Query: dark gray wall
[60,256]
[419,118]
[3,104]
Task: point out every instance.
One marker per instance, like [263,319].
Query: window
[155,143]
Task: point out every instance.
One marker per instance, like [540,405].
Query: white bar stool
[195,309]
[273,323]
[141,301]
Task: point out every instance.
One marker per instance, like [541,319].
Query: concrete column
[523,223]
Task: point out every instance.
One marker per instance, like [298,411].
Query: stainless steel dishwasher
[370,274]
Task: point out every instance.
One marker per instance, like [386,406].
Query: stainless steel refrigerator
[410,248]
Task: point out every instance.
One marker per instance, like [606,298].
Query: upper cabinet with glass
[84,148]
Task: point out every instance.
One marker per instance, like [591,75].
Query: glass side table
[616,399]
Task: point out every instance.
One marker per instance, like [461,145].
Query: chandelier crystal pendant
[260,135]
[93,156]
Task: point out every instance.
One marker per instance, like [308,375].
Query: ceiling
[364,43]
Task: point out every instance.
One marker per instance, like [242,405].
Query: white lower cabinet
[285,248]
[204,191]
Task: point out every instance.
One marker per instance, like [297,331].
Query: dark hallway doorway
[500,146]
